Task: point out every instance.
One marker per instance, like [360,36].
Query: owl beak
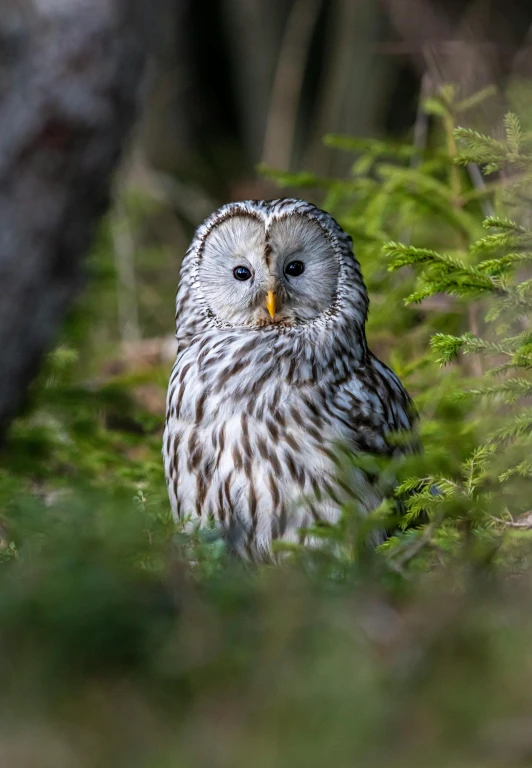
[270,303]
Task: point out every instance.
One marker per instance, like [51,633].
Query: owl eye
[294,269]
[242,273]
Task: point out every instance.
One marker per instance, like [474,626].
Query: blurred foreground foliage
[125,641]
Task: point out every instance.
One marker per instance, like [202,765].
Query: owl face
[259,270]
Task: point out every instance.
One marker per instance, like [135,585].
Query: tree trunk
[69,76]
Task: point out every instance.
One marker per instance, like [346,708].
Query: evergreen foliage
[459,248]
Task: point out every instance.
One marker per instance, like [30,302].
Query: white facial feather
[236,241]
[266,249]
[299,238]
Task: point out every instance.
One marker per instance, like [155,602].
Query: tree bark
[69,79]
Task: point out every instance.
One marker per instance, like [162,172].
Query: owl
[273,374]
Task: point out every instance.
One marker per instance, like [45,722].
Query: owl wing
[381,409]
[400,414]
[382,419]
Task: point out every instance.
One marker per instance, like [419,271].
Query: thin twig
[421,130]
[410,552]
[479,183]
[126,288]
[288,84]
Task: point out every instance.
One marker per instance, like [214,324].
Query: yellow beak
[270,303]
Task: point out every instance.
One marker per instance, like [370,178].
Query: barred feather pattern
[255,413]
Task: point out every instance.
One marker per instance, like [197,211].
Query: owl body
[268,384]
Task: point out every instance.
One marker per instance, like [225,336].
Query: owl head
[275,264]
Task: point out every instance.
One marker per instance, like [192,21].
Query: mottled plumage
[273,372]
